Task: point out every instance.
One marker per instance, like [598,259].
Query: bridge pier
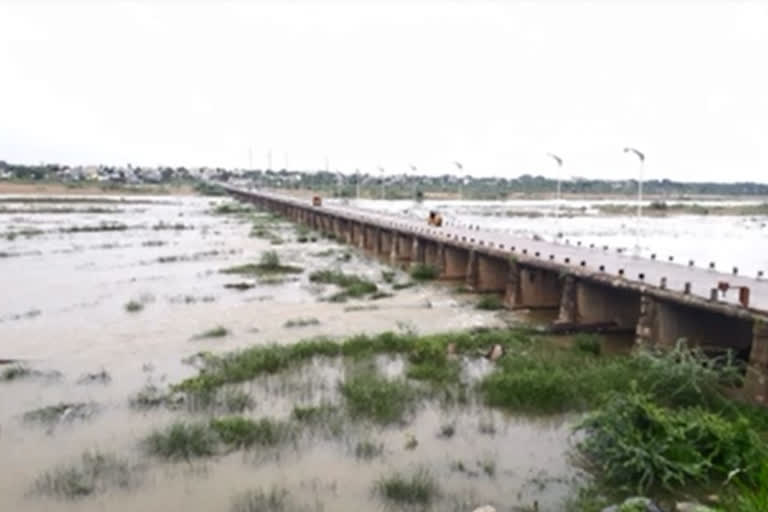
[756,381]
[532,288]
[456,263]
[586,303]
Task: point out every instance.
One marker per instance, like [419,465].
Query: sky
[493,85]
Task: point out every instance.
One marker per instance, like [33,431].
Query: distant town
[350,184]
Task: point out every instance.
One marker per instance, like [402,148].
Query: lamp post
[559,180]
[640,156]
[381,171]
[357,184]
[414,170]
[461,179]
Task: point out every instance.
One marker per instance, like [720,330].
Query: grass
[323,254]
[751,491]
[243,432]
[418,489]
[447,430]
[216,332]
[232,208]
[424,272]
[182,441]
[589,343]
[490,302]
[133,306]
[403,286]
[241,286]
[373,397]
[268,264]
[388,276]
[104,226]
[258,500]
[313,414]
[236,400]
[352,285]
[249,363]
[367,450]
[301,322]
[95,473]
[149,397]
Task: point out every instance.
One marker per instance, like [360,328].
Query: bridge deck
[611,263]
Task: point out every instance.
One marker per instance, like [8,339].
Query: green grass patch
[367,450]
[373,397]
[388,276]
[14,372]
[182,441]
[244,432]
[403,286]
[61,412]
[258,500]
[352,285]
[313,414]
[424,272]
[133,306]
[268,264]
[490,302]
[417,489]
[95,473]
[233,209]
[216,332]
[589,343]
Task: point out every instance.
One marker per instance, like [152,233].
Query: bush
[424,272]
[216,332]
[133,306]
[352,285]
[640,444]
[259,501]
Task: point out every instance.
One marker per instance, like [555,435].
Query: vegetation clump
[424,272]
[182,441]
[216,332]
[589,343]
[133,306]
[639,444]
[313,413]
[62,412]
[301,322]
[17,371]
[94,474]
[243,432]
[274,500]
[417,489]
[374,397]
[490,302]
[232,208]
[352,285]
[368,449]
[268,264]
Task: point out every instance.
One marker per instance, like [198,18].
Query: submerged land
[221,358]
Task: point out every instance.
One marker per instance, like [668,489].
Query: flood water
[728,241]
[66,280]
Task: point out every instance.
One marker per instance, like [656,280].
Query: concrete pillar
[512,288]
[417,250]
[646,332]
[472,271]
[756,381]
[456,260]
[569,306]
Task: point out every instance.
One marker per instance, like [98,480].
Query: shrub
[216,332]
[420,488]
[368,450]
[259,501]
[640,444]
[352,285]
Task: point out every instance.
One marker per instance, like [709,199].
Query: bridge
[589,287]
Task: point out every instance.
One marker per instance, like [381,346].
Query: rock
[485,508]
[635,504]
[687,506]
[495,352]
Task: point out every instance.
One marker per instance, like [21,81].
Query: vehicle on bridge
[317,201]
[435,219]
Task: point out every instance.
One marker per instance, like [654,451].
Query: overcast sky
[494,85]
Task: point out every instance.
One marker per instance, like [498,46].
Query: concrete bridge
[588,287]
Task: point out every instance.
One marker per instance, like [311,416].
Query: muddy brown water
[62,309]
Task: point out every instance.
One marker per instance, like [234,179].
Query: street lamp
[357,184]
[640,157]
[414,169]
[381,171]
[461,179]
[559,179]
